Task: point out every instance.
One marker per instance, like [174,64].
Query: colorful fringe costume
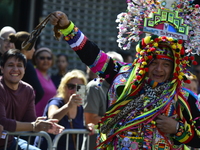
[134,99]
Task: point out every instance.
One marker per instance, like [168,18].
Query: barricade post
[78,132]
[29,135]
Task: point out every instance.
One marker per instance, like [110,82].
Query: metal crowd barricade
[29,135]
[77,132]
[52,145]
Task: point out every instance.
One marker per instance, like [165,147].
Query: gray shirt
[96,99]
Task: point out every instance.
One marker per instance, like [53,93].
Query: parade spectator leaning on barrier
[66,106]
[17,98]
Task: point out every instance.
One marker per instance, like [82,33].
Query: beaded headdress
[178,19]
[174,28]
[176,23]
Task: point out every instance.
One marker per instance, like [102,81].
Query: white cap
[115,55]
[7,29]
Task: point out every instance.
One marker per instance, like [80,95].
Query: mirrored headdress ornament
[178,19]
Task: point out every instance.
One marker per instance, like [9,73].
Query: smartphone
[81,91]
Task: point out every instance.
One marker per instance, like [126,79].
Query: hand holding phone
[81,91]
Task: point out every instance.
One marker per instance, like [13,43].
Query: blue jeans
[22,145]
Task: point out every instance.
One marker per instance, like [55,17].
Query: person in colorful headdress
[148,108]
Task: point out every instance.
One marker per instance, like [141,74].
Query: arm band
[68,30]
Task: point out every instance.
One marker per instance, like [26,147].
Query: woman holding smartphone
[66,107]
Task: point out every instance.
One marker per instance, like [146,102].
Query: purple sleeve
[8,124]
[16,106]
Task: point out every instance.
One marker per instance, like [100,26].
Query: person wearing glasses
[43,60]
[30,75]
[66,106]
[5,44]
